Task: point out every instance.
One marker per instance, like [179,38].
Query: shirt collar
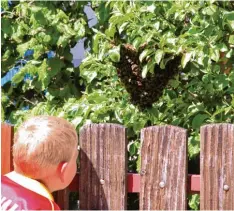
[30,184]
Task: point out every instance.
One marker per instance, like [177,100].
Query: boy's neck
[30,184]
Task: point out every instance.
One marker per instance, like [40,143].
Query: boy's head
[45,147]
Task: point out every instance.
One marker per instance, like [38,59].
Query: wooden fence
[163,183]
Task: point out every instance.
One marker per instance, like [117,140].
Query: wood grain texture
[7,133]
[163,159]
[62,198]
[103,167]
[217,167]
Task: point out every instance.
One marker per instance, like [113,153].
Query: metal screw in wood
[102,181]
[162,184]
[143,172]
[226,187]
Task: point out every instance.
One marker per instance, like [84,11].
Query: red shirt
[17,197]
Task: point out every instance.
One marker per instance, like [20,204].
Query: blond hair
[42,142]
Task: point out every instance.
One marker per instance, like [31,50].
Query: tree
[36,42]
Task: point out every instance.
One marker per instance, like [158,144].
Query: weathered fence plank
[103,167]
[7,134]
[61,197]
[163,168]
[217,167]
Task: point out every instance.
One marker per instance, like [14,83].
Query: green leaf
[38,51]
[193,145]
[231,25]
[96,42]
[89,74]
[144,71]
[110,32]
[35,62]
[222,47]
[96,98]
[80,29]
[43,76]
[62,41]
[162,64]
[145,53]
[38,18]
[174,83]
[221,81]
[6,26]
[77,121]
[115,54]
[54,66]
[229,53]
[214,54]
[157,25]
[138,164]
[198,120]
[138,124]
[122,27]
[136,43]
[2,114]
[62,16]
[47,38]
[231,39]
[229,15]
[69,30]
[185,59]
[209,10]
[132,149]
[151,8]
[18,77]
[194,201]
[158,56]
[22,48]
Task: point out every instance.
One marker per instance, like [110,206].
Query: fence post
[163,168]
[61,198]
[7,134]
[103,167]
[217,167]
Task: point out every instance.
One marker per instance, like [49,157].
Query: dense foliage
[178,65]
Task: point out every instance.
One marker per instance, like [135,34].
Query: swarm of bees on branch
[143,91]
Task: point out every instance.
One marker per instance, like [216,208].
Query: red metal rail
[134,183]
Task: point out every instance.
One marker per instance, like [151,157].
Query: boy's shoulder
[16,197]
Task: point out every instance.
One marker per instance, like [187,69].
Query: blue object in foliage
[9,75]
[28,53]
[50,54]
[28,77]
[20,63]
[45,91]
[9,3]
[8,121]
[25,108]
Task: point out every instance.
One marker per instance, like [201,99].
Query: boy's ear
[62,167]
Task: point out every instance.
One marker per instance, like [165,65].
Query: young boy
[44,156]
